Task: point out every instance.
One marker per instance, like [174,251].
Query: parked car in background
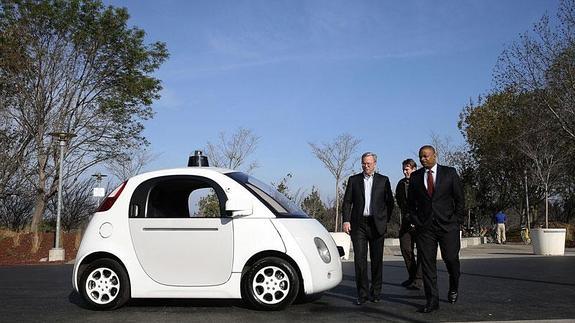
[203,232]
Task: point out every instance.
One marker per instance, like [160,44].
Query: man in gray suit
[367,206]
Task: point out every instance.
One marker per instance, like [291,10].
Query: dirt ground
[16,247]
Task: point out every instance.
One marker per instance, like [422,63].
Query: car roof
[206,171]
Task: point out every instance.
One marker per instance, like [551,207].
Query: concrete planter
[548,241]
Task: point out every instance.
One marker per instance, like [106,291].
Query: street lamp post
[526,200]
[57,253]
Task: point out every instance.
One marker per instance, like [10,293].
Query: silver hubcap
[102,286]
[271,285]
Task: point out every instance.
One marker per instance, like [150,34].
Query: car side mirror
[239,207]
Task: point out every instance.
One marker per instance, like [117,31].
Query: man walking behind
[407,229]
[367,206]
[436,208]
[500,219]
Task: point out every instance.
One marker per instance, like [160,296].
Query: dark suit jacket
[401,199]
[446,205]
[381,201]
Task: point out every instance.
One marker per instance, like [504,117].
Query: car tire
[270,284]
[105,285]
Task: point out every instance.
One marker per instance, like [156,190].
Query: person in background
[407,229]
[367,206]
[500,220]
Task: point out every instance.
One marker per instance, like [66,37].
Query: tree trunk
[39,207]
[40,200]
[546,207]
[39,203]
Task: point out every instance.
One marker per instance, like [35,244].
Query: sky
[390,73]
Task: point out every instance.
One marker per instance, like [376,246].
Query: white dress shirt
[368,184]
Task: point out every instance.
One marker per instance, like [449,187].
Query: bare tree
[78,204]
[547,160]
[447,152]
[127,165]
[233,152]
[12,155]
[336,157]
[543,62]
[15,210]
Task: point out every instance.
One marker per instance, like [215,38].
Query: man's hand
[346,227]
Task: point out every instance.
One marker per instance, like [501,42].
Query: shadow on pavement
[518,279]
[372,310]
[77,300]
[186,302]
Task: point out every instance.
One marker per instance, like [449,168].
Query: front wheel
[270,284]
[105,285]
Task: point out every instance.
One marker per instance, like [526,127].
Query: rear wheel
[105,285]
[270,284]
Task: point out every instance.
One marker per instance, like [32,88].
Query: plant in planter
[547,160]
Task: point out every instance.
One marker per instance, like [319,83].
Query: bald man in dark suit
[436,208]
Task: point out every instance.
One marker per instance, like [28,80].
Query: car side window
[177,197]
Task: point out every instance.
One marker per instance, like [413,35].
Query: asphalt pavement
[498,283]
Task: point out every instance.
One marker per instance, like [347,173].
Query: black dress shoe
[360,301]
[407,283]
[452,296]
[416,285]
[429,308]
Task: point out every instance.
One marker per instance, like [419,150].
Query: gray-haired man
[367,206]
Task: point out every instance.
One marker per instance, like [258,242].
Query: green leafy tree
[313,205]
[283,187]
[74,66]
[511,136]
[209,205]
[494,173]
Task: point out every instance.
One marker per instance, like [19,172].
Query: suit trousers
[407,245]
[367,234]
[449,244]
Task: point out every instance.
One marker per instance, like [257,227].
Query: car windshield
[276,201]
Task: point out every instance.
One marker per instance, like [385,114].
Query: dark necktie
[430,183]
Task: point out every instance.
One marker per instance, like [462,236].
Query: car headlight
[322,250]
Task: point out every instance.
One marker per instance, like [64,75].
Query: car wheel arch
[272,253]
[86,261]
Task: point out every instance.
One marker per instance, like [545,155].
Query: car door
[179,230]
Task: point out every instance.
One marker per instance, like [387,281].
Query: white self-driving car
[203,232]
